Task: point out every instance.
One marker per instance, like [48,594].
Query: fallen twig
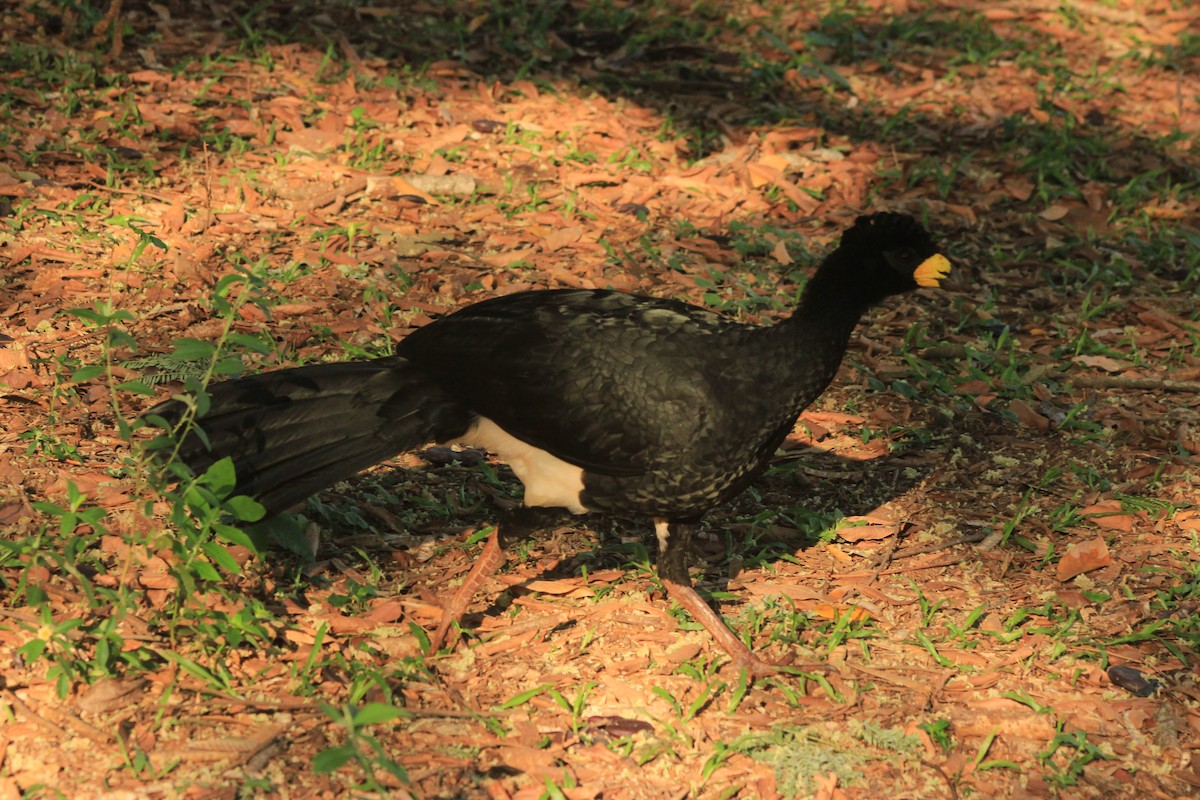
[76,724]
[943,351]
[1117,382]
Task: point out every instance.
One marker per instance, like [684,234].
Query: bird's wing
[600,379]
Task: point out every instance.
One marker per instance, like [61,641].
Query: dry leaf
[762,175]
[561,237]
[874,529]
[9,471]
[535,762]
[1102,362]
[1115,522]
[1083,557]
[505,258]
[830,611]
[562,586]
[684,652]
[389,610]
[425,186]
[795,592]
[293,309]
[779,161]
[780,253]
[1020,187]
[1108,515]
[110,694]
[1028,416]
[975,387]
[1156,211]
[1085,220]
[11,358]
[832,418]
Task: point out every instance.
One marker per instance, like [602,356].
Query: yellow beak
[932,270]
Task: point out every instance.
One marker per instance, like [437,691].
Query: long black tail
[294,432]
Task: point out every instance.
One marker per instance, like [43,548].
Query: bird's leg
[513,527]
[489,561]
[674,540]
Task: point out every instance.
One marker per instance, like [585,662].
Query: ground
[977,551]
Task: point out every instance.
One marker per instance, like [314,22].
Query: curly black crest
[890,227]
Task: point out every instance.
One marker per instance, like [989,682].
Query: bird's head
[887,254]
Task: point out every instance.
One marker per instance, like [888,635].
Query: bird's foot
[760,668]
[756,667]
[491,558]
[743,658]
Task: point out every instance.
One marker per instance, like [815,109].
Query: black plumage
[600,401]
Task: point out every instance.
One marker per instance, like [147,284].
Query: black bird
[598,400]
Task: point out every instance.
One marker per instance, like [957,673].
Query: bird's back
[668,408]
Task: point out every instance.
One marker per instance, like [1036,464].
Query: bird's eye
[903,259]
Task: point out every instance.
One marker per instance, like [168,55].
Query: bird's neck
[831,296]
[829,310]
[817,333]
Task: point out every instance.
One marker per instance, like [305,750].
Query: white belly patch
[549,481]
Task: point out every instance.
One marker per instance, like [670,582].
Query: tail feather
[294,432]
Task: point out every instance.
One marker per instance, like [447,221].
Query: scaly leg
[674,539]
[513,527]
[490,560]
